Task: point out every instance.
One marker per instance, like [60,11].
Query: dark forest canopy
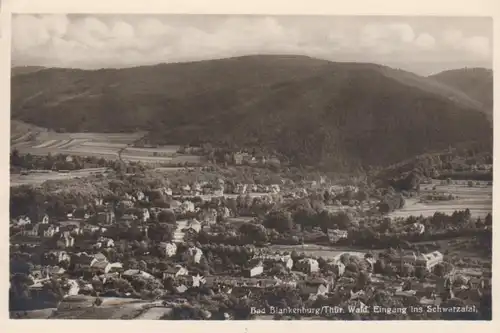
[315,112]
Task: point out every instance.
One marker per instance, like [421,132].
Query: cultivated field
[36,178]
[478,199]
[328,252]
[102,145]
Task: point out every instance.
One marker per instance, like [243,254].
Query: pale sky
[420,44]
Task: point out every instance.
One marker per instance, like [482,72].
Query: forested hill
[335,115]
[476,83]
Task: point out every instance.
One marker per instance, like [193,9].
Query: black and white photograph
[250,167]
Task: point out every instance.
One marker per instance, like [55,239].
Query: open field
[36,178]
[33,314]
[103,145]
[317,250]
[478,199]
[154,313]
[80,307]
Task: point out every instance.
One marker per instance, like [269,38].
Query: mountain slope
[336,115]
[476,83]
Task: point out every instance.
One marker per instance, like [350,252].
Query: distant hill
[476,83]
[317,112]
[25,70]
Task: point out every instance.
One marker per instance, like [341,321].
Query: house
[430,260]
[59,256]
[100,267]
[145,215]
[223,213]
[175,205]
[198,280]
[45,219]
[337,267]
[66,240]
[31,230]
[113,267]
[208,216]
[55,271]
[255,270]
[195,254]
[175,271]
[104,242]
[91,228]
[334,235]
[186,189]
[181,289]
[131,273]
[218,190]
[22,221]
[308,265]
[71,226]
[194,225]
[187,207]
[238,158]
[315,287]
[240,189]
[170,249]
[427,261]
[275,188]
[140,196]
[73,287]
[196,189]
[128,218]
[106,218]
[285,259]
[100,257]
[82,260]
[418,227]
[50,231]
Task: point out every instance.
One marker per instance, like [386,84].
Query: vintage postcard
[240,166]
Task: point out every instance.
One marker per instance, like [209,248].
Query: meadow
[102,145]
[477,198]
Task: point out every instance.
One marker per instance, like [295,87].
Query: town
[194,244]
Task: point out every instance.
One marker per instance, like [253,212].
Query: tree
[167,216]
[488,219]
[280,220]
[407,270]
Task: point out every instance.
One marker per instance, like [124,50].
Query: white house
[145,215]
[195,253]
[275,188]
[104,242]
[170,249]
[50,231]
[66,240]
[198,280]
[256,270]
[430,260]
[334,235]
[285,259]
[23,220]
[308,265]
[45,219]
[175,271]
[187,207]
[194,225]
